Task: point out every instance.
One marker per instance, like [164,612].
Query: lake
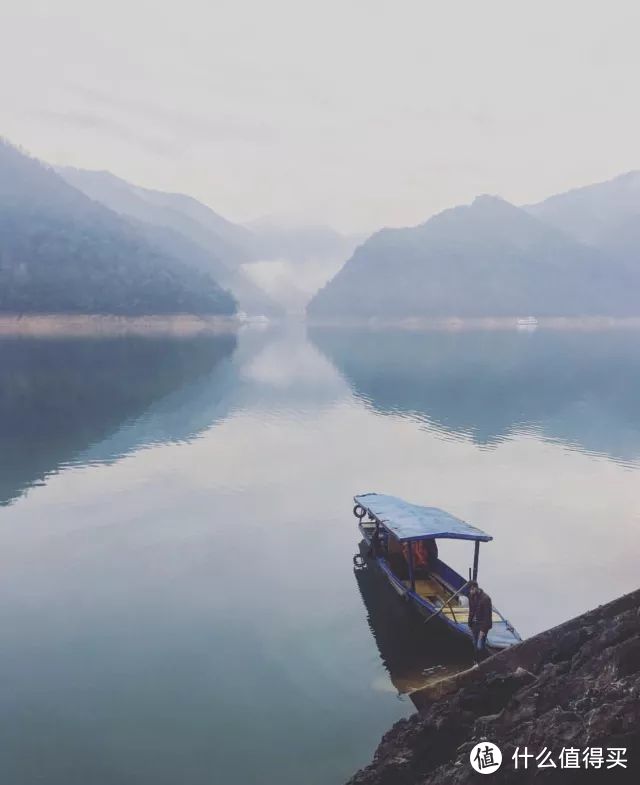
[177,597]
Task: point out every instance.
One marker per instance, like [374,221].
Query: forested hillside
[61,252]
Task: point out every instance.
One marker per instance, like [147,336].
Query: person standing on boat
[480,616]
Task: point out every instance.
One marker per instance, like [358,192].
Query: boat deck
[434,591]
[428,588]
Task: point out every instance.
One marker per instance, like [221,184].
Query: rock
[574,686]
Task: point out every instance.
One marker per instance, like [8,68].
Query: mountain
[489,259]
[228,242]
[61,252]
[594,213]
[192,231]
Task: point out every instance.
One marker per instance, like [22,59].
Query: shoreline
[574,685]
[488,323]
[44,325]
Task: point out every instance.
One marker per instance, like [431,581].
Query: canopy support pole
[476,555]
[412,577]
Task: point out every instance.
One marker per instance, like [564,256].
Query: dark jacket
[481,611]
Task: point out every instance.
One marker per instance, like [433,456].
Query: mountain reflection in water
[59,398]
[578,388]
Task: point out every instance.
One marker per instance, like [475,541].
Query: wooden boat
[396,532]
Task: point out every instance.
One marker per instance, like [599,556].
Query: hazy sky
[357,113]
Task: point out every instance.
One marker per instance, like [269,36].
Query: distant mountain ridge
[195,233]
[301,242]
[61,252]
[178,211]
[493,259]
[268,264]
[89,242]
[591,213]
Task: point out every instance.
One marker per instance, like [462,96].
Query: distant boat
[527,323]
[393,530]
[260,320]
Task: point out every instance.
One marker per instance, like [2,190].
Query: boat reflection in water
[415,654]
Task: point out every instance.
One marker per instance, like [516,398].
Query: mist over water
[177,595]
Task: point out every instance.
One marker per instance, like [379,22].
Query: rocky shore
[576,686]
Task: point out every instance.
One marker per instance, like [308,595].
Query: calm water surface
[177,598]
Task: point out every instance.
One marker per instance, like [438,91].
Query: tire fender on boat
[359,561]
[359,511]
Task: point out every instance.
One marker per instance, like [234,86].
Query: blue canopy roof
[412,522]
